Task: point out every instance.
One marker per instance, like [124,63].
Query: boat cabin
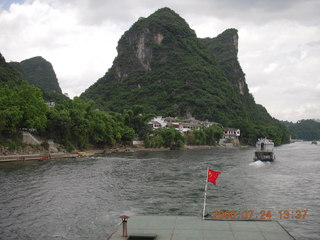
[264,150]
[264,144]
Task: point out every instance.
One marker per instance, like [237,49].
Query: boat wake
[259,163]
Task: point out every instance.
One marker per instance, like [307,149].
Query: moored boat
[264,150]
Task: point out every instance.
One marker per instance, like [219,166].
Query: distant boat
[314,142]
[264,150]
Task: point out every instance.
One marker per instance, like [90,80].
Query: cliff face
[225,48]
[162,65]
[138,47]
[38,72]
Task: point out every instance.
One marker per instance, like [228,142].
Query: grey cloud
[314,44]
[252,11]
[260,12]
[283,33]
[95,12]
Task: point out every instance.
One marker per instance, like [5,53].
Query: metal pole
[124,219]
[124,228]
[205,196]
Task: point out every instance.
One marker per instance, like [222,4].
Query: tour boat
[264,150]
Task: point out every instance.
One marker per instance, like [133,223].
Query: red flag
[212,176]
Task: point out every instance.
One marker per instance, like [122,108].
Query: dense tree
[33,107]
[137,119]
[73,123]
[306,129]
[10,112]
[205,135]
[21,107]
[165,137]
[77,124]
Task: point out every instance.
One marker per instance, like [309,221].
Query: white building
[233,133]
[158,122]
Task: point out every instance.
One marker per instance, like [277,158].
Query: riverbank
[46,156]
[43,156]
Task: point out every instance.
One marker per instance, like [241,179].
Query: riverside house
[183,126]
[232,133]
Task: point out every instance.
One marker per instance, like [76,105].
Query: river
[83,198]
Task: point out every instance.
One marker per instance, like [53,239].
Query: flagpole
[205,196]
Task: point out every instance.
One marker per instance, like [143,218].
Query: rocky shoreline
[44,155]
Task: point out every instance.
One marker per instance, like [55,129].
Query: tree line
[72,123]
[306,129]
[78,124]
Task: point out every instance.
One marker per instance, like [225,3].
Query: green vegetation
[225,48]
[21,107]
[54,97]
[77,124]
[38,72]
[165,137]
[14,143]
[172,138]
[182,75]
[257,122]
[8,76]
[205,136]
[137,119]
[162,68]
[73,123]
[306,129]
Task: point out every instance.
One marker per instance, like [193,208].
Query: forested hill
[75,124]
[38,72]
[162,65]
[306,129]
[225,49]
[7,74]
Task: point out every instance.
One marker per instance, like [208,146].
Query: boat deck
[194,228]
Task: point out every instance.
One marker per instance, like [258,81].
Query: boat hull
[264,156]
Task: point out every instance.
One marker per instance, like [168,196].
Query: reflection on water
[83,198]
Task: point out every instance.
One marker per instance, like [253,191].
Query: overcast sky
[279,42]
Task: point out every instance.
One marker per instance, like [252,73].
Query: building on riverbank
[182,125]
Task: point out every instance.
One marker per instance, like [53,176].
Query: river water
[83,198]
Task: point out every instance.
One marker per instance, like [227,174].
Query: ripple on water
[82,198]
